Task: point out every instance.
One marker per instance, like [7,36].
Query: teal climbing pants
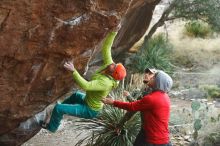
[74,106]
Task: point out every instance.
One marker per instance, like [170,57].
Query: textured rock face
[36,37]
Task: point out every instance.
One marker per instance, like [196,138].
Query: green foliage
[213,91]
[105,130]
[212,139]
[195,105]
[207,11]
[197,124]
[155,54]
[202,115]
[204,120]
[197,29]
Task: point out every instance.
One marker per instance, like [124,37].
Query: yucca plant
[154,54]
[106,130]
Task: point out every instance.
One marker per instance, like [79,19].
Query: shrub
[212,91]
[105,130]
[212,140]
[197,29]
[155,54]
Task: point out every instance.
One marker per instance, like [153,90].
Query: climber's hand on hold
[114,22]
[69,66]
[117,28]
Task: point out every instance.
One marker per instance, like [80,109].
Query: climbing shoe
[43,124]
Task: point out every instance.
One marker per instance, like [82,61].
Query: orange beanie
[119,72]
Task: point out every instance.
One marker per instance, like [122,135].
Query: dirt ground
[67,136]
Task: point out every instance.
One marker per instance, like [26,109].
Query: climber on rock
[89,104]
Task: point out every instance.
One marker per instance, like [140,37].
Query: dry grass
[197,53]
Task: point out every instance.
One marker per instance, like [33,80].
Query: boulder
[37,37]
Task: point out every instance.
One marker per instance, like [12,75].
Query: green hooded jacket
[100,84]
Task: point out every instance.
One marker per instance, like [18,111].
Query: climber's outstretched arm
[106,48]
[94,85]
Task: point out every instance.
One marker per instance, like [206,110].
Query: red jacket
[155,108]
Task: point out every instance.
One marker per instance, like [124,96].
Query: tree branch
[159,23]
